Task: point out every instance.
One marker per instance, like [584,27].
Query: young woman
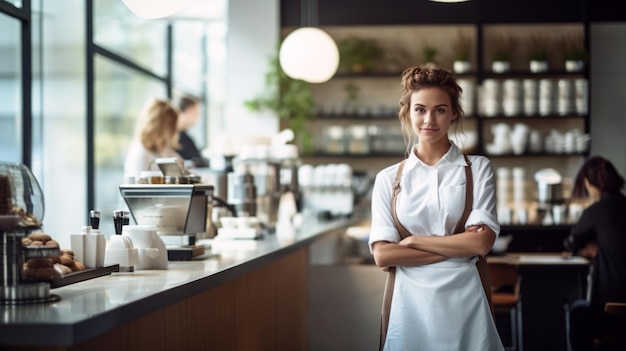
[438,301]
[599,234]
[156,136]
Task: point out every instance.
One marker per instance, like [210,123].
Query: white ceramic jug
[152,250]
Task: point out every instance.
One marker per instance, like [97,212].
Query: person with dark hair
[189,114]
[438,298]
[599,235]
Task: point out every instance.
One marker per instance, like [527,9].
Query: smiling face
[431,115]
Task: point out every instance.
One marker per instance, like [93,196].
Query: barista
[189,114]
[156,136]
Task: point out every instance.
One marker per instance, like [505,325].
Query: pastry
[43,237]
[66,259]
[38,263]
[51,243]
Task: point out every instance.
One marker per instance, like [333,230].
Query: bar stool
[505,293]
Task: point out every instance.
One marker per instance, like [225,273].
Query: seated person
[599,235]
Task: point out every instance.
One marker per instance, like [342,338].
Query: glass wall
[133,61]
[60,111]
[120,93]
[10,90]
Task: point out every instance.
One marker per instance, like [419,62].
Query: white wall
[608,93]
[253,34]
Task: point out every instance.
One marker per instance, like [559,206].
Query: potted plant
[352,97]
[429,54]
[574,53]
[538,47]
[290,99]
[358,54]
[462,48]
[501,54]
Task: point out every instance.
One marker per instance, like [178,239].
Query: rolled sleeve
[480,216]
[484,205]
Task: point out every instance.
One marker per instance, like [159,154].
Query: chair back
[504,278]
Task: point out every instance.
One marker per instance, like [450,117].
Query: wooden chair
[505,292]
[616,337]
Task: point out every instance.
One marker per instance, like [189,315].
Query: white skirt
[441,306]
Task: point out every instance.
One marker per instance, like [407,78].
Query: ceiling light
[309,54]
[154,8]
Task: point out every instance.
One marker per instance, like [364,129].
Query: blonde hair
[157,126]
[428,76]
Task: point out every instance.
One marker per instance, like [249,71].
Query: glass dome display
[21,198]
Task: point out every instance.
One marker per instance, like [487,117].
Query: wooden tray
[83,275]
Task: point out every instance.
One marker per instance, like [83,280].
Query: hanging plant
[290,99]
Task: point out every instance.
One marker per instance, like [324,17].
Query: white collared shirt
[432,198]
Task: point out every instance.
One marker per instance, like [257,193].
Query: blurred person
[156,136]
[189,114]
[599,235]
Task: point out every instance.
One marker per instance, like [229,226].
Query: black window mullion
[90,103]
[27,115]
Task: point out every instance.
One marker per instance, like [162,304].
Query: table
[550,283]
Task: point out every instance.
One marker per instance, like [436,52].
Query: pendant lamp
[153,9]
[309,53]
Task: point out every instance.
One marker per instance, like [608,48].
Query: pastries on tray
[45,268]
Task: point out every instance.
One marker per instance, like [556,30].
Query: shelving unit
[379,89]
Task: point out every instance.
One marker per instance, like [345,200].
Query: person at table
[599,235]
[156,136]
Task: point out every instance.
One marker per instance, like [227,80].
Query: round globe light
[155,8]
[309,54]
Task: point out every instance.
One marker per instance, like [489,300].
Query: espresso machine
[178,211]
[175,205]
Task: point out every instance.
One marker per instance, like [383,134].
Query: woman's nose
[428,117]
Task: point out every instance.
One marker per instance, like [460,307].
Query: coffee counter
[241,295]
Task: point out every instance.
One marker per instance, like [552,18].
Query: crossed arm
[420,250]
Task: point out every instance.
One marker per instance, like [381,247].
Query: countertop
[98,305]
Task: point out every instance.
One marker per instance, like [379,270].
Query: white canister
[490,97]
[467,97]
[546,97]
[531,98]
[512,97]
[566,96]
[581,96]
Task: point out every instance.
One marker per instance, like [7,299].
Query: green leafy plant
[538,48]
[501,49]
[573,47]
[359,54]
[290,99]
[353,93]
[429,54]
[462,48]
